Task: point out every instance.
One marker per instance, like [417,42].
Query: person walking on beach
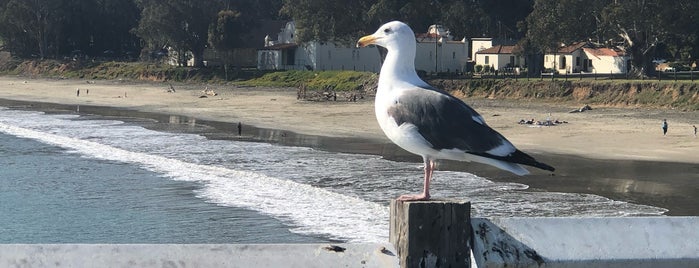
[664,127]
[695,130]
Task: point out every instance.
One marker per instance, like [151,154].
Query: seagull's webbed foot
[414,197]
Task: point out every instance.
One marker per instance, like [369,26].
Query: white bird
[430,122]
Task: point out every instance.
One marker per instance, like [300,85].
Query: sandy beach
[644,161]
[601,133]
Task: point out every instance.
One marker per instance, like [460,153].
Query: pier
[437,233]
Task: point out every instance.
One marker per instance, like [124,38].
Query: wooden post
[434,233]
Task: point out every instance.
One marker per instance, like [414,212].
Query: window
[290,56]
[487,60]
[453,55]
[563,63]
[577,61]
[512,60]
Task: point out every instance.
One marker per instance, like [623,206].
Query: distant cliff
[683,95]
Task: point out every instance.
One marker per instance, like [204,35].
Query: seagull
[430,122]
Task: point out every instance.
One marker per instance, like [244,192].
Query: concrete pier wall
[432,234]
[195,255]
[586,242]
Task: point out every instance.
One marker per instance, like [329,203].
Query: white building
[435,52]
[606,60]
[500,57]
[478,44]
[285,54]
[585,57]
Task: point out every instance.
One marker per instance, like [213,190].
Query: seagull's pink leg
[429,168]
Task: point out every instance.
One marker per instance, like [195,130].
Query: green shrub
[312,80]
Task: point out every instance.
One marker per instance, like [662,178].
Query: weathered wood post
[434,233]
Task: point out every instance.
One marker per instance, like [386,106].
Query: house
[501,57]
[496,53]
[436,52]
[567,59]
[586,57]
[606,60]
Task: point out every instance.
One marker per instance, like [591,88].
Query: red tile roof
[500,49]
[571,48]
[605,52]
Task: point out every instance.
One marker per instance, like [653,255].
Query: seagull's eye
[387,30]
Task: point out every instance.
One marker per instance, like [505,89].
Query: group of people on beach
[548,122]
[665,125]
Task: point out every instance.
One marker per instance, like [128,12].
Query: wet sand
[618,153]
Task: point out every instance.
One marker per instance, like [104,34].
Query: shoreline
[602,133]
[668,179]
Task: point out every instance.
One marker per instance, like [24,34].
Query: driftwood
[209,92]
[581,109]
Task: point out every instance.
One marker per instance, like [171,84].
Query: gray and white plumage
[430,122]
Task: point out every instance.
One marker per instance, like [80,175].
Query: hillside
[350,85]
[683,95]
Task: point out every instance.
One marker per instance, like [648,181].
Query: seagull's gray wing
[446,122]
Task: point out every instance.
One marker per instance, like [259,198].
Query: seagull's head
[390,36]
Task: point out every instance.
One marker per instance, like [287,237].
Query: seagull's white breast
[406,135]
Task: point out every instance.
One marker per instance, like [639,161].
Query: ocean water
[70,178]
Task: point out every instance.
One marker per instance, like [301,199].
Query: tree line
[648,29]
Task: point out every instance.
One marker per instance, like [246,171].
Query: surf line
[302,205]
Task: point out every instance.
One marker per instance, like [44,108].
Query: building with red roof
[586,57]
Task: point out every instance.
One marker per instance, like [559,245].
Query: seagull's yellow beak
[366,40]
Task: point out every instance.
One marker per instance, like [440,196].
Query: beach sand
[614,152]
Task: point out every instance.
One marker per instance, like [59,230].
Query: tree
[340,21]
[224,35]
[464,19]
[556,22]
[501,17]
[638,24]
[101,28]
[32,23]
[180,24]
[682,41]
[475,18]
[52,28]
[416,13]
[256,9]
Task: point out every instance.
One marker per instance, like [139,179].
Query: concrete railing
[424,234]
[197,255]
[586,242]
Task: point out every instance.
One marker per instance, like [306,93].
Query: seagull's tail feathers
[512,162]
[520,157]
[497,162]
[511,167]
